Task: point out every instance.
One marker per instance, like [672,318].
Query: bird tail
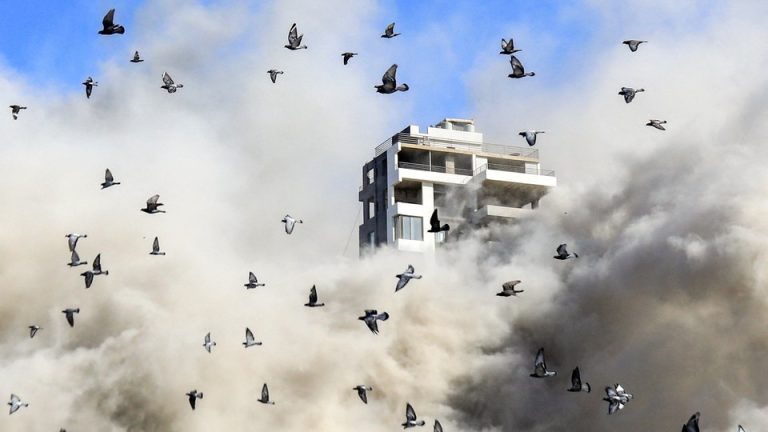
[403,87]
[120,30]
[445,227]
[383,316]
[531,74]
[589,387]
[201,395]
[106,273]
[575,255]
[179,85]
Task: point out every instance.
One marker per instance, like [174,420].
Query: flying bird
[15,109]
[265,395]
[95,272]
[657,124]
[136,58]
[72,240]
[629,93]
[290,223]
[156,248]
[193,396]
[540,367]
[313,298]
[410,418]
[389,82]
[70,314]
[518,71]
[152,205]
[562,253]
[89,85]
[508,47]
[110,27]
[389,32]
[253,282]
[347,56]
[249,339]
[108,180]
[508,289]
[693,423]
[438,427]
[15,403]
[169,85]
[361,392]
[33,329]
[576,384]
[530,136]
[294,39]
[616,397]
[273,74]
[434,224]
[633,44]
[406,277]
[208,343]
[74,260]
[370,318]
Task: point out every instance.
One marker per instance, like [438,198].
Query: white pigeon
[15,403]
[208,343]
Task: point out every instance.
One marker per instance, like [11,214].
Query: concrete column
[450,164]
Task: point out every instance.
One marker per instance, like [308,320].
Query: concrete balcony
[495,211]
[513,174]
[432,173]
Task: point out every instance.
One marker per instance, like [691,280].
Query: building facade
[450,168]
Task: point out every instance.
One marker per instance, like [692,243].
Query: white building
[450,168]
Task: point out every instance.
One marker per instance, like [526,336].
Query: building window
[372,238]
[369,176]
[440,237]
[408,228]
[371,209]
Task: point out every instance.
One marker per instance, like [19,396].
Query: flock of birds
[616,396]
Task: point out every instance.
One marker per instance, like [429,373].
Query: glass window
[409,228]
[372,238]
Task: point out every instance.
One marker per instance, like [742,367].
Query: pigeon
[208,343]
[108,180]
[562,253]
[518,71]
[15,109]
[616,397]
[434,224]
[313,298]
[89,85]
[249,340]
[265,395]
[693,423]
[110,27]
[633,44]
[540,367]
[410,418]
[33,329]
[370,318]
[136,58]
[70,314]
[347,56]
[508,47]
[156,248]
[576,384]
[438,427]
[95,272]
[389,32]
[74,260]
[273,74]
[389,82]
[15,403]
[657,124]
[294,39]
[253,282]
[290,223]
[361,392]
[629,93]
[530,136]
[72,240]
[508,289]
[406,277]
[152,205]
[193,396]
[169,85]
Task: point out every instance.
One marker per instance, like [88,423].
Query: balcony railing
[448,143]
[516,169]
[434,168]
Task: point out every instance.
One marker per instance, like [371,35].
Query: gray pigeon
[156,248]
[361,392]
[562,253]
[389,82]
[95,272]
[518,71]
[633,44]
[193,396]
[152,205]
[253,282]
[108,180]
[370,318]
[294,39]
[290,223]
[249,339]
[410,418]
[389,32]
[347,56]
[15,109]
[508,289]
[540,367]
[109,25]
[15,403]
[434,224]
[72,240]
[265,395]
[530,136]
[313,298]
[657,124]
[74,260]
[508,47]
[89,85]
[69,313]
[136,58]
[629,93]
[405,277]
[693,423]
[576,384]
[33,329]
[169,85]
[616,397]
[208,343]
[273,74]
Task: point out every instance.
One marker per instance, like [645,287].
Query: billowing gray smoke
[668,297]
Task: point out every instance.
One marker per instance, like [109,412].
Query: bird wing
[152,201]
[32,331]
[108,176]
[510,286]
[72,242]
[88,279]
[167,80]
[265,390]
[401,283]
[192,399]
[75,257]
[97,263]
[517,67]
[252,278]
[109,19]
[504,44]
[372,325]
[70,318]
[156,245]
[410,414]
[248,335]
[561,250]
[208,338]
[433,220]
[313,295]
[611,393]
[693,424]
[293,35]
[576,378]
[363,395]
[389,75]
[390,29]
[613,406]
[410,269]
[136,55]
[438,427]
